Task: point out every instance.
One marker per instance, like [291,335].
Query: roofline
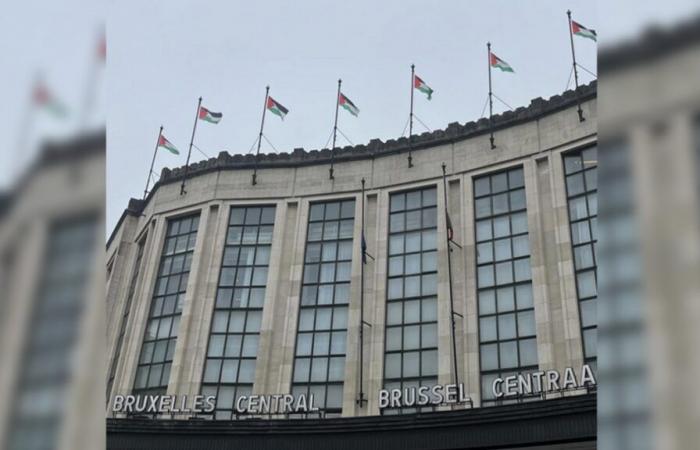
[53,153]
[454,132]
[652,44]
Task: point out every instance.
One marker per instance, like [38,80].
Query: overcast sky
[163,55]
[58,40]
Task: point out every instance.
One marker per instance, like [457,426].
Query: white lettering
[587,377]
[496,387]
[383,398]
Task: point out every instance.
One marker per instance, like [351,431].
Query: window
[319,362]
[411,348]
[235,329]
[580,168]
[507,331]
[125,315]
[159,340]
[45,371]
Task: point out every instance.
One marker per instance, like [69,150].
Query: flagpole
[91,87]
[335,128]
[189,152]
[262,124]
[27,124]
[361,397]
[573,57]
[488,47]
[410,117]
[153,161]
[449,275]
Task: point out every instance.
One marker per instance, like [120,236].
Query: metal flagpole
[91,87]
[573,57]
[153,161]
[262,124]
[189,152]
[410,117]
[488,47]
[361,399]
[449,275]
[335,129]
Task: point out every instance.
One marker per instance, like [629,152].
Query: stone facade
[533,138]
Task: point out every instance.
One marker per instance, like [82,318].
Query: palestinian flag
[43,98]
[348,105]
[580,30]
[498,63]
[421,86]
[166,144]
[205,114]
[276,108]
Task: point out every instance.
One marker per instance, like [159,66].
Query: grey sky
[163,55]
[57,39]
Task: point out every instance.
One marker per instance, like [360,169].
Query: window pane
[482,187]
[489,357]
[487,329]
[483,230]
[506,326]
[526,323]
[484,252]
[508,354]
[523,294]
[586,284]
[487,302]
[506,299]
[528,352]
[393,339]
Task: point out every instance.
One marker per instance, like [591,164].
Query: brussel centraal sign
[543,381]
[439,394]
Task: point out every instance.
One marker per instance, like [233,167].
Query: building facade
[359,290]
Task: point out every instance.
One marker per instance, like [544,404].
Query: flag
[102,48]
[276,108]
[450,231]
[212,117]
[363,245]
[166,144]
[499,63]
[348,105]
[580,30]
[43,98]
[421,86]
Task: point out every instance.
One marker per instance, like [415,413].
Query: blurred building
[51,316]
[650,240]
[255,294]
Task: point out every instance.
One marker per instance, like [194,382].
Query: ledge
[563,420]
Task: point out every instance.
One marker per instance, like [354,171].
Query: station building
[446,304]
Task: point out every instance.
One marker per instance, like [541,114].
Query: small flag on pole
[450,230]
[166,144]
[498,63]
[580,30]
[45,99]
[276,108]
[421,86]
[348,105]
[363,245]
[208,116]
